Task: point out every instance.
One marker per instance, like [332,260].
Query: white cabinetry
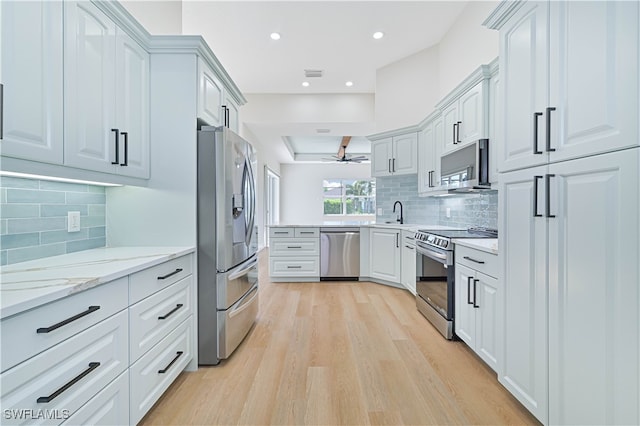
[569,90]
[429,146]
[294,254]
[385,254]
[466,118]
[477,303]
[32,82]
[408,259]
[106,95]
[394,155]
[215,106]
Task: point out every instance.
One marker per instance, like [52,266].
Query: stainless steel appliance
[227,260]
[435,282]
[339,254]
[466,169]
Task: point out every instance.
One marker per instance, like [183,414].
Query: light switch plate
[379,211]
[73,222]
[448,212]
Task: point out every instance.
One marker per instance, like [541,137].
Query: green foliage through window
[349,197]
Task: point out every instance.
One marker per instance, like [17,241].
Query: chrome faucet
[401,219]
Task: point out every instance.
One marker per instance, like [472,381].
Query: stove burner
[442,238]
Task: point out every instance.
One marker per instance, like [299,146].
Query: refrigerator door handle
[243,271]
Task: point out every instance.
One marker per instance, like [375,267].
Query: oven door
[435,278]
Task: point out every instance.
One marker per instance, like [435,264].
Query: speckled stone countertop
[489,245]
[27,285]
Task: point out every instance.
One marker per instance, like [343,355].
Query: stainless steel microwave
[467,168]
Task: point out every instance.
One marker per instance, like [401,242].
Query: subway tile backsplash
[460,211]
[33,218]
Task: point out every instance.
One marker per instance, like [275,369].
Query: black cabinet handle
[126,148]
[296,247]
[454,133]
[45,399]
[307,232]
[397,240]
[389,165]
[430,179]
[164,277]
[458,136]
[473,260]
[294,267]
[469,302]
[1,111]
[68,320]
[226,116]
[549,109]
[535,196]
[280,232]
[548,194]
[475,294]
[535,132]
[409,247]
[394,165]
[171,312]
[117,139]
[164,370]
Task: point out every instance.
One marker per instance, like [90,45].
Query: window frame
[344,197]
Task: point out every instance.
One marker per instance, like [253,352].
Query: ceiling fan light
[275,36]
[349,83]
[378,35]
[305,83]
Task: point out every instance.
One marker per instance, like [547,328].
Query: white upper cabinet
[466,119]
[496,140]
[106,95]
[210,96]
[31,75]
[429,143]
[593,70]
[395,155]
[233,119]
[570,78]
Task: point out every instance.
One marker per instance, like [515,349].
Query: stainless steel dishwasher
[339,254]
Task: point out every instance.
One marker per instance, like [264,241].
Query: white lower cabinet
[66,376]
[408,260]
[152,374]
[476,307]
[109,407]
[294,254]
[385,254]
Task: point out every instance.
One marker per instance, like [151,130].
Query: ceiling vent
[323,130]
[313,73]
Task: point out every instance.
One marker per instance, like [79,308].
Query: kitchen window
[349,197]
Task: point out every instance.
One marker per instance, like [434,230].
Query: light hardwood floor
[331,353]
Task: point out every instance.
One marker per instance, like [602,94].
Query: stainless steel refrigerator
[227,243]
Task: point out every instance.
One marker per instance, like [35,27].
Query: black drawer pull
[298,247]
[280,232]
[170,274]
[171,312]
[307,232]
[473,260]
[68,320]
[294,267]
[409,247]
[164,370]
[45,399]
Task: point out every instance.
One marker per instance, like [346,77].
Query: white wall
[158,17]
[301,189]
[467,45]
[407,90]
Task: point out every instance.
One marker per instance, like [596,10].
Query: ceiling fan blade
[359,157]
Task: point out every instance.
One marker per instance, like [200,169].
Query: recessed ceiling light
[305,83]
[275,36]
[378,35]
[349,83]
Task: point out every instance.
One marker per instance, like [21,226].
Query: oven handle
[442,258]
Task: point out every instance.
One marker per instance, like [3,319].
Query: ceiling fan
[342,156]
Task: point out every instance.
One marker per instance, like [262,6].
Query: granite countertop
[27,285]
[489,245]
[370,224]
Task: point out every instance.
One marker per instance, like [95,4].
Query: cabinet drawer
[63,319]
[70,373]
[147,282]
[295,247]
[109,407]
[281,233]
[480,261]
[153,318]
[152,374]
[294,267]
[307,232]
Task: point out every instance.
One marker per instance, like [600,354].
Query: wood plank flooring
[331,353]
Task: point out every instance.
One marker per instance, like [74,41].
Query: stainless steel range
[435,283]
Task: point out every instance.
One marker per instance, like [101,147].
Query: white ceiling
[334,36]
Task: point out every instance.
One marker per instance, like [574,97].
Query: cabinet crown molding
[394,132]
[502,13]
[483,72]
[169,44]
